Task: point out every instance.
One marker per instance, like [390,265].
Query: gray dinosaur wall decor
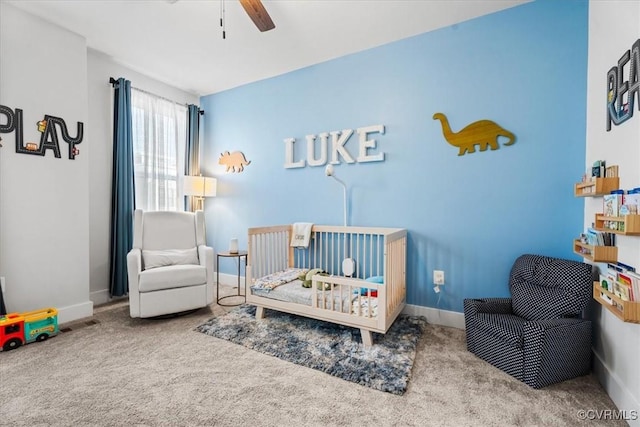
[233,161]
[483,133]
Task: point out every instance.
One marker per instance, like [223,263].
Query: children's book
[598,168]
[635,285]
[630,202]
[614,268]
[624,267]
[622,291]
[624,279]
[610,207]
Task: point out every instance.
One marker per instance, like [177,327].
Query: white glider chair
[170,269]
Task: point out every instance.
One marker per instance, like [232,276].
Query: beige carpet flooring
[137,372]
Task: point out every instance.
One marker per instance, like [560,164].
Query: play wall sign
[51,129]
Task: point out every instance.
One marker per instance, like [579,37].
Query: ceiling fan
[258,14]
[254,8]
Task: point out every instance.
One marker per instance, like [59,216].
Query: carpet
[327,347]
[120,371]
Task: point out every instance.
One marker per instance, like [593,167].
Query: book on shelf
[599,238]
[606,298]
[613,268]
[631,202]
[635,285]
[621,291]
[625,267]
[606,281]
[621,280]
[611,207]
[619,267]
[598,168]
[611,172]
[624,279]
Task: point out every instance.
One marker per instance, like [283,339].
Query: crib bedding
[294,292]
[272,281]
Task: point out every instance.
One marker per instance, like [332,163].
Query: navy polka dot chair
[537,335]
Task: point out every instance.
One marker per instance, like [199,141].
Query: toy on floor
[17,329]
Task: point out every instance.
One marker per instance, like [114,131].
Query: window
[12,329]
[159,138]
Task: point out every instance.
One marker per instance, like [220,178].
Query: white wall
[99,68]
[613,27]
[44,201]
[54,213]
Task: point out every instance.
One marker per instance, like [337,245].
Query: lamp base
[198,204]
[233,246]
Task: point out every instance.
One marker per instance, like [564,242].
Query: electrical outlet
[438,277]
[2,284]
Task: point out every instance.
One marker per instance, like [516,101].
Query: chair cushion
[534,302]
[506,327]
[174,276]
[161,258]
[168,230]
[544,287]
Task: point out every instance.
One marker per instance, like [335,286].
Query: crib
[356,301]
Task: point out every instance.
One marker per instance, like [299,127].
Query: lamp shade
[199,186]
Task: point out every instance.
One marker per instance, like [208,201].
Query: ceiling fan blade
[258,14]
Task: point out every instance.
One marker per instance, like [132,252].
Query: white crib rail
[269,250]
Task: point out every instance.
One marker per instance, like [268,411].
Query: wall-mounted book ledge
[595,253]
[627,311]
[596,187]
[628,225]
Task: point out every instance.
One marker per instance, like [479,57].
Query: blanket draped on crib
[301,234]
[272,281]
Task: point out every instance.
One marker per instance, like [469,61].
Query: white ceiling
[180,42]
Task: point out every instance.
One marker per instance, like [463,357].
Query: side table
[239,255]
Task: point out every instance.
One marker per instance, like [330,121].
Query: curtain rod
[114,81]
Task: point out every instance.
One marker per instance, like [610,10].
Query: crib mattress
[294,292]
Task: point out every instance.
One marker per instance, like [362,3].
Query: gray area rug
[327,347]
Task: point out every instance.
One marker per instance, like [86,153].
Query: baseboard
[103,297]
[75,312]
[436,316]
[615,388]
[100,297]
[229,280]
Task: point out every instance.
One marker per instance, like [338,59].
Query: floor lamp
[199,187]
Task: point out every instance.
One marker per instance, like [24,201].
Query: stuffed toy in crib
[306,279]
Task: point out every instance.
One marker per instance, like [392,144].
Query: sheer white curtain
[159,138]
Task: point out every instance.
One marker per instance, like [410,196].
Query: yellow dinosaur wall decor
[483,133]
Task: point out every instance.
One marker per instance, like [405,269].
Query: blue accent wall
[471,216]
